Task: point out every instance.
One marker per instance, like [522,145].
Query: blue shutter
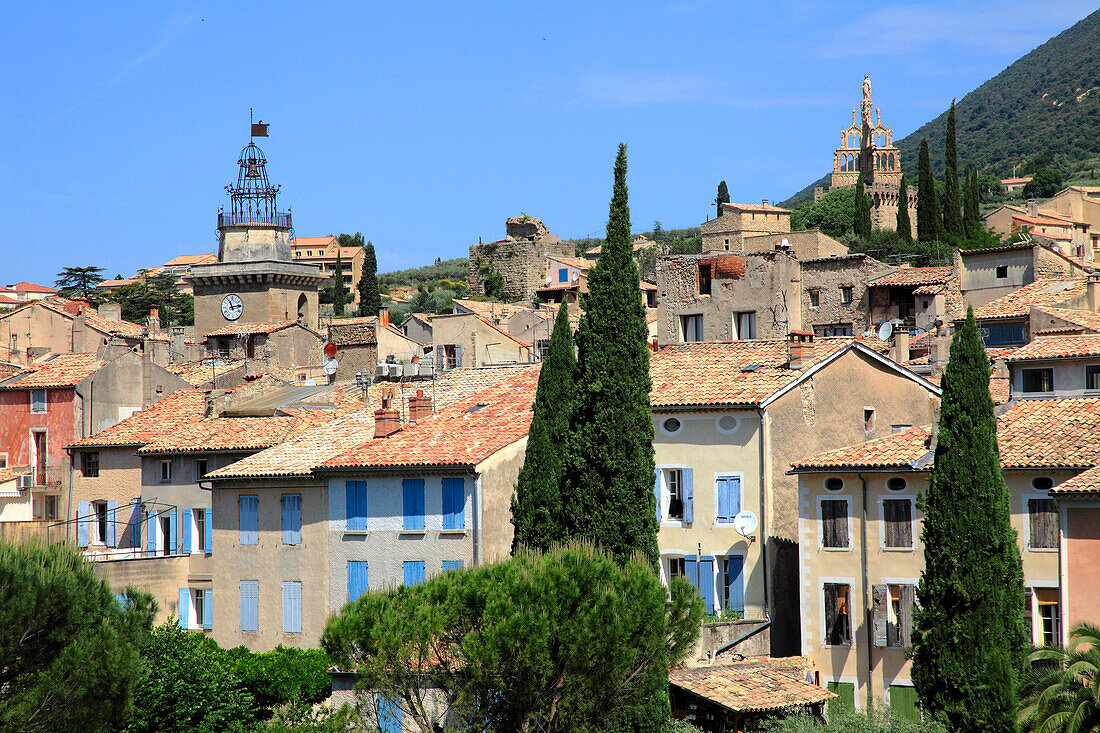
[735,569]
[389,715]
[185,532]
[413,499]
[112,524]
[563,275]
[356,500]
[184,608]
[706,582]
[151,528]
[452,565]
[173,529]
[292,607]
[83,509]
[249,520]
[414,572]
[250,605]
[691,565]
[722,489]
[454,503]
[208,536]
[208,609]
[735,496]
[357,579]
[292,519]
[135,523]
[689,496]
[657,491]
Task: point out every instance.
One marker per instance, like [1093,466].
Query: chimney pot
[800,348]
[384,316]
[654,345]
[764,202]
[386,422]
[420,406]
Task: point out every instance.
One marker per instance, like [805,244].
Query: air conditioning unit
[24,482]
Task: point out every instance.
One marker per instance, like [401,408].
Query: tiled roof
[1010,181]
[1058,347]
[1087,482]
[26,287]
[312,241]
[300,455]
[914,276]
[726,372]
[1018,303]
[767,208]
[1054,433]
[1082,318]
[1042,220]
[185,407]
[750,686]
[69,308]
[63,370]
[579,262]
[491,308]
[246,329]
[10,473]
[5,300]
[463,434]
[636,247]
[201,371]
[191,260]
[236,433]
[999,389]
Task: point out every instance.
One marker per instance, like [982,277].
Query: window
[1038,380]
[671,426]
[49,508]
[838,627]
[733,583]
[453,355]
[357,579]
[250,605]
[868,419]
[199,600]
[454,503]
[897,516]
[292,606]
[704,279]
[1043,524]
[356,499]
[835,329]
[89,464]
[99,512]
[166,472]
[1092,376]
[896,483]
[900,428]
[1003,334]
[815,298]
[727,424]
[1042,483]
[200,468]
[563,275]
[412,490]
[167,534]
[834,523]
[691,328]
[727,491]
[892,614]
[845,294]
[38,400]
[700,573]
[1050,616]
[249,519]
[1002,272]
[674,480]
[676,568]
[292,519]
[200,530]
[744,325]
[414,572]
[541,347]
[834,483]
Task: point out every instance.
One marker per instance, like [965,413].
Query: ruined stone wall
[828,277]
[521,262]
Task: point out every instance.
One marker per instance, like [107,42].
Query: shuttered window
[249,519]
[898,518]
[356,499]
[207,609]
[250,605]
[1044,524]
[357,579]
[728,489]
[734,585]
[454,503]
[834,523]
[38,400]
[452,565]
[389,715]
[292,519]
[412,490]
[292,606]
[414,572]
[838,628]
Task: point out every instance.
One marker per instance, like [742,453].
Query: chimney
[655,346]
[1092,291]
[1032,207]
[387,420]
[111,312]
[901,345]
[384,316]
[764,202]
[800,349]
[154,319]
[420,406]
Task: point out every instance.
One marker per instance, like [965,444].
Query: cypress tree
[903,226]
[928,210]
[370,300]
[608,487]
[952,220]
[972,220]
[339,294]
[723,197]
[537,504]
[861,223]
[969,638]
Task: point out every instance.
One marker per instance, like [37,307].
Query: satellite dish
[745,523]
[784,243]
[331,366]
[330,350]
[886,330]
[548,279]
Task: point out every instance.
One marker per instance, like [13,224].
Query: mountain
[1045,106]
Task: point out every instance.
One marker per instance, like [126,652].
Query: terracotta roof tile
[235,434]
[201,371]
[1058,347]
[750,686]
[246,329]
[1082,318]
[999,390]
[191,260]
[63,370]
[756,207]
[914,276]
[185,407]
[579,262]
[1018,303]
[1087,482]
[10,473]
[68,309]
[492,308]
[26,287]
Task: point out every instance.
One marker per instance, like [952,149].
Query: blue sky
[425,125]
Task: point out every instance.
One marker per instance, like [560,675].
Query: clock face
[232,307]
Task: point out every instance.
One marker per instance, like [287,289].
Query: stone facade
[843,299]
[519,258]
[739,221]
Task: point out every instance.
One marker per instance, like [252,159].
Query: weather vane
[258,129]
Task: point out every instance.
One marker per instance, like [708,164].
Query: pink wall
[17,421]
[1083,564]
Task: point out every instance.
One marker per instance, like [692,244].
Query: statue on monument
[867,87]
[866,105]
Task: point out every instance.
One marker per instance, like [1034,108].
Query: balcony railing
[48,476]
[232,219]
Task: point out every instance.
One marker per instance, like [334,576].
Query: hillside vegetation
[1044,109]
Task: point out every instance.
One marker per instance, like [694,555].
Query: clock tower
[255,280]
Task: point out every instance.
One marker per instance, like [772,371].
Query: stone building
[364,342]
[519,259]
[738,222]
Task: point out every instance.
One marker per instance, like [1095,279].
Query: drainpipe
[763,516]
[69,510]
[866,590]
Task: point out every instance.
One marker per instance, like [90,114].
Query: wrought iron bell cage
[253,198]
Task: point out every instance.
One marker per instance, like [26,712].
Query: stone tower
[255,279]
[518,260]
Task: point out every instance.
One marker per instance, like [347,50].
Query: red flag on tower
[259,129]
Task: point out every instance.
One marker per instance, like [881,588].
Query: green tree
[877,720]
[339,292]
[73,281]
[929,223]
[723,197]
[280,677]
[1061,686]
[67,659]
[350,240]
[834,213]
[904,229]
[952,219]
[969,638]
[552,642]
[537,504]
[972,222]
[370,299]
[861,223]
[1044,183]
[608,487]
[160,290]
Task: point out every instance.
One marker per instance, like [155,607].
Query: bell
[253,171]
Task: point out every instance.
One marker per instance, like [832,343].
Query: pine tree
[339,294]
[608,487]
[903,226]
[370,300]
[861,223]
[928,210]
[969,639]
[723,197]
[952,220]
[537,504]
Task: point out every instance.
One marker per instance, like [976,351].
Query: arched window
[303,308]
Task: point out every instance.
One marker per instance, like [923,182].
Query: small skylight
[476,407]
[751,367]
